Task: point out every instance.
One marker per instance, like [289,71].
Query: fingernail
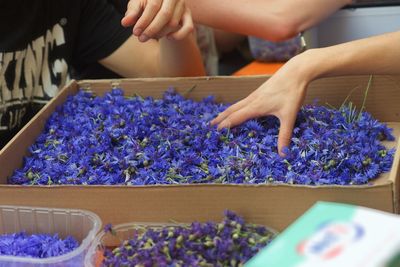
[137,31]
[143,38]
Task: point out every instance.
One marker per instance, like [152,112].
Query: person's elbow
[286,31]
[282,30]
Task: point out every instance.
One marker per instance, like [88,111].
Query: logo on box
[330,240]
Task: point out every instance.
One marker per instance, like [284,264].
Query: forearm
[156,58]
[270,19]
[180,58]
[375,55]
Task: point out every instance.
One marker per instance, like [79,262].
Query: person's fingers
[235,107]
[133,12]
[174,23]
[161,20]
[187,27]
[164,32]
[238,117]
[180,9]
[146,18]
[287,115]
[285,132]
[221,116]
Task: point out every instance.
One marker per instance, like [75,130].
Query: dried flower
[229,243]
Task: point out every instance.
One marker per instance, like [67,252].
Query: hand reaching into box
[280,96]
[283,94]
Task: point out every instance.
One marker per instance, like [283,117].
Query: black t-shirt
[41,41]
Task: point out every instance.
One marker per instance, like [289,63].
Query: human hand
[158,18]
[282,96]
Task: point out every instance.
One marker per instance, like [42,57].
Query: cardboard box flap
[11,156]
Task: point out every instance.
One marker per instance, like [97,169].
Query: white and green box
[332,234]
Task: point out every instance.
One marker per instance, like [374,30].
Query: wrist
[309,65]
[299,69]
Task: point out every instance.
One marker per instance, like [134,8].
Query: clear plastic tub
[80,224]
[267,51]
[122,232]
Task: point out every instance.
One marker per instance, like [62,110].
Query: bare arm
[269,19]
[374,55]
[174,54]
[156,58]
[283,94]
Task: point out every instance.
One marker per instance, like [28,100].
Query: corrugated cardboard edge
[230,89]
[395,177]
[19,144]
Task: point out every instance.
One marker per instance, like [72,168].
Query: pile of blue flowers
[114,139]
[36,245]
[231,242]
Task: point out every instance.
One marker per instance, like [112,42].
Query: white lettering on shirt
[34,66]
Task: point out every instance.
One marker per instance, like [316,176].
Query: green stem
[188,91]
[347,97]
[365,96]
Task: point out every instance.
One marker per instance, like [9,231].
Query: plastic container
[122,232]
[80,224]
[267,51]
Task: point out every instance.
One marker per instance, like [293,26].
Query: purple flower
[229,243]
[108,228]
[143,141]
[36,245]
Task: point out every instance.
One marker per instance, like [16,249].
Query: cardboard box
[273,205]
[333,234]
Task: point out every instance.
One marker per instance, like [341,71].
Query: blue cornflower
[138,141]
[36,245]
